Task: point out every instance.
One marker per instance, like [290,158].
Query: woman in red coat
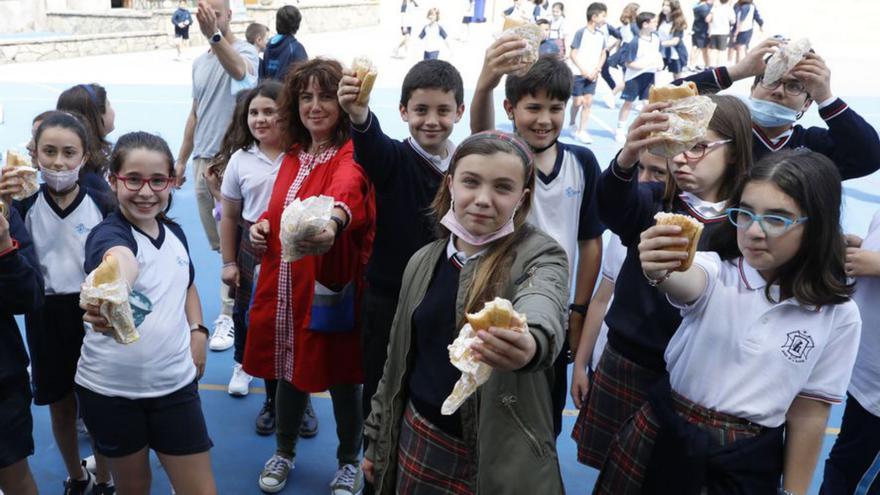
[303,328]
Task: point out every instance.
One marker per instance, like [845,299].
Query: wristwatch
[339,225]
[578,308]
[198,327]
[216,37]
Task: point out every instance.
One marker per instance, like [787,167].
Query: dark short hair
[548,74]
[542,22]
[64,120]
[432,74]
[254,31]
[595,8]
[644,17]
[143,140]
[287,20]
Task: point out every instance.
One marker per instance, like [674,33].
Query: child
[565,199]
[150,399]
[852,464]
[406,175]
[628,23]
[767,342]
[587,57]
[642,58]
[541,10]
[257,34]
[21,284]
[700,36]
[182,20]
[640,321]
[672,26]
[59,218]
[90,103]
[501,439]
[407,7]
[548,46]
[557,26]
[746,17]
[466,20]
[283,49]
[721,21]
[519,12]
[433,35]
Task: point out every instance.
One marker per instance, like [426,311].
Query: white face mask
[450,221]
[60,180]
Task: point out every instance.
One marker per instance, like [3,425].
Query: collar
[749,275]
[258,153]
[774,144]
[441,164]
[704,208]
[458,257]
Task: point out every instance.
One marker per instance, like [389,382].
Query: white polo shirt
[589,46]
[612,262]
[249,178]
[740,354]
[865,384]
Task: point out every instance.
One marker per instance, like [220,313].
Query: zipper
[526,276]
[509,402]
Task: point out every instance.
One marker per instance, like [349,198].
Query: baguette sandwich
[689,117]
[690,229]
[366,74]
[22,168]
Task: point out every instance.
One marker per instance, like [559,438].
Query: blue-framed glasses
[772,225]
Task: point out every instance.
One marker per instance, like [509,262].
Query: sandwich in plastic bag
[689,116]
[302,219]
[106,288]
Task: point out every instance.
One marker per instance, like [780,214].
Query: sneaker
[81,427]
[90,465]
[224,334]
[274,475]
[104,489]
[80,487]
[620,137]
[584,137]
[240,381]
[349,480]
[309,426]
[266,418]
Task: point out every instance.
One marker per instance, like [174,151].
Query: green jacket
[509,420]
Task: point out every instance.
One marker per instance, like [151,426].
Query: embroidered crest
[81,229]
[798,345]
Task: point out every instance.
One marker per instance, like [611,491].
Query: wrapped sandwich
[20,166]
[689,117]
[691,229]
[366,74]
[785,59]
[531,33]
[106,288]
[302,219]
[4,210]
[498,313]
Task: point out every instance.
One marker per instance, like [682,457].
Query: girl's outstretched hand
[656,259]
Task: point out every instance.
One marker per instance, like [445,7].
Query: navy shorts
[637,88]
[673,65]
[180,32]
[55,335]
[432,55]
[719,41]
[583,86]
[853,466]
[16,422]
[172,424]
[700,40]
[744,38]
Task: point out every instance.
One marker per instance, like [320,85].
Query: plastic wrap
[17,165]
[531,33]
[688,120]
[366,73]
[302,219]
[113,299]
[785,59]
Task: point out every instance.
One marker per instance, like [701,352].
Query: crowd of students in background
[715,378]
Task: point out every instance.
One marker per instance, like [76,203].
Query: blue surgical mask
[768,114]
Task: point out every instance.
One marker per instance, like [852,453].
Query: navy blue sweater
[406,183]
[21,286]
[640,320]
[282,52]
[849,141]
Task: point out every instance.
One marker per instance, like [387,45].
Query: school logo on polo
[798,345]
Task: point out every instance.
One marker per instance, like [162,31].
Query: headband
[519,146]
[91,91]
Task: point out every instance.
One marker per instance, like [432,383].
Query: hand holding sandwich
[641,134]
[667,251]
[354,89]
[504,349]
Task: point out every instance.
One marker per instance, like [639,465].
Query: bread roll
[690,229]
[689,117]
[15,159]
[497,313]
[512,22]
[671,93]
[531,34]
[20,166]
[108,271]
[366,74]
[4,210]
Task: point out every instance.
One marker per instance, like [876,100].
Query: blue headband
[91,91]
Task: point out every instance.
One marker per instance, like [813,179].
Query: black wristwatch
[216,37]
[578,308]
[198,327]
[339,225]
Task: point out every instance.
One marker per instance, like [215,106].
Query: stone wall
[81,45]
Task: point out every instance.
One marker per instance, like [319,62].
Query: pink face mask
[450,221]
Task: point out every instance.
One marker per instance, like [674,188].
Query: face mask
[450,221]
[60,180]
[769,114]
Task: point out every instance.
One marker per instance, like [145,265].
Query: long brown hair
[676,16]
[89,103]
[731,120]
[492,273]
[327,73]
[628,15]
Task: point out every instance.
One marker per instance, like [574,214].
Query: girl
[852,465]
[746,17]
[640,320]
[672,26]
[303,326]
[59,218]
[628,26]
[501,440]
[144,395]
[768,338]
[466,20]
[557,26]
[407,7]
[434,36]
[541,10]
[90,102]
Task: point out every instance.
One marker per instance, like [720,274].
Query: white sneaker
[224,334]
[274,475]
[90,465]
[349,480]
[610,100]
[620,137]
[240,381]
[584,137]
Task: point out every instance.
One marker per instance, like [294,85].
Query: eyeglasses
[772,225]
[700,150]
[135,183]
[791,87]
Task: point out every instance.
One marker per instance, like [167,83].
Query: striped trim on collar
[772,144]
[699,216]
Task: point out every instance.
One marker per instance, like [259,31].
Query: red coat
[310,360]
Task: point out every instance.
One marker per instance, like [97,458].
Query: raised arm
[233,62]
[502,57]
[658,262]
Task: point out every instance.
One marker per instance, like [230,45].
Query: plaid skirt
[431,462]
[247,261]
[618,389]
[627,462]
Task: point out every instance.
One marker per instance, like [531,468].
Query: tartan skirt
[618,389]
[431,462]
[630,454]
[247,261]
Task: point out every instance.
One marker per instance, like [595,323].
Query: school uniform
[849,141]
[746,16]
[589,45]
[723,19]
[700,37]
[730,338]
[55,331]
[854,463]
[433,35]
[674,57]
[21,284]
[639,81]
[144,394]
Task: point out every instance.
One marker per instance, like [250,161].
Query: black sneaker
[104,489]
[80,487]
[266,418]
[309,426]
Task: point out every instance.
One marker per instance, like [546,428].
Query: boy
[849,141]
[587,57]
[283,50]
[548,46]
[564,204]
[406,175]
[700,38]
[257,34]
[182,20]
[643,58]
